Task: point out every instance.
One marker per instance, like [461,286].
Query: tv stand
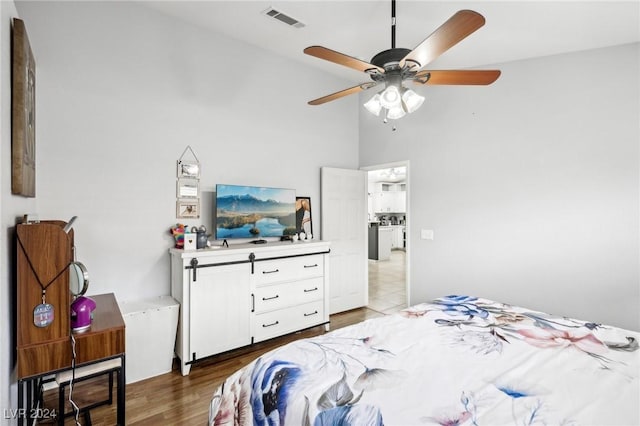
[246,294]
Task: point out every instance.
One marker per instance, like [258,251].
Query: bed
[456,360]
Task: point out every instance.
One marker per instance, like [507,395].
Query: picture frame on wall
[23,113]
[188,169]
[304,222]
[188,209]
[188,188]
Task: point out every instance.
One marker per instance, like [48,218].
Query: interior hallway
[387,283]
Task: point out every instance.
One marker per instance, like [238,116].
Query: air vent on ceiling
[276,14]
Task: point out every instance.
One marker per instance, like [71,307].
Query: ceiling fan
[397,65]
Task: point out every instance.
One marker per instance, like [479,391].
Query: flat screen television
[254,212]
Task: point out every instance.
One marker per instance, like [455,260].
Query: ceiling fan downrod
[393,24]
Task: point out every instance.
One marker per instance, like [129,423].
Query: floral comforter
[457,360]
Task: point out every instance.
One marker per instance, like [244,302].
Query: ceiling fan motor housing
[390,61]
[390,58]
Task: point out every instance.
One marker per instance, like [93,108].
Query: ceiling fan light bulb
[396,112]
[412,100]
[373,105]
[390,97]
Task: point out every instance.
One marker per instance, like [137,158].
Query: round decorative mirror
[78,279]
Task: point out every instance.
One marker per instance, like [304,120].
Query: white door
[344,224]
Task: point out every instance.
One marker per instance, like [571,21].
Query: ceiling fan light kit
[390,97]
[373,105]
[411,100]
[397,65]
[395,113]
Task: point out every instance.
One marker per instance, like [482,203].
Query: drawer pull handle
[310,290]
[311,266]
[271,272]
[270,325]
[271,298]
[312,313]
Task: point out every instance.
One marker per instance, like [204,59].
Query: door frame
[407,264]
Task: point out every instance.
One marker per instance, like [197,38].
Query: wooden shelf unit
[44,251]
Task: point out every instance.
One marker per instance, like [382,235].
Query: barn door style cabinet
[240,295]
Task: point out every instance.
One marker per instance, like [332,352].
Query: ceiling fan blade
[342,93]
[341,59]
[459,26]
[462,77]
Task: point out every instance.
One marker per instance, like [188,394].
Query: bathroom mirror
[78,279]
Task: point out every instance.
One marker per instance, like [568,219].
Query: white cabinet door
[220,306]
[394,238]
[400,236]
[377,202]
[384,243]
[390,202]
[381,204]
[400,202]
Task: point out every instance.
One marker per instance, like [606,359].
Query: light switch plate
[426,234]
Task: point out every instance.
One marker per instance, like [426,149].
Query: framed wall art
[188,208]
[23,113]
[188,169]
[188,186]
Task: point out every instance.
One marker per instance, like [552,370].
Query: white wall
[531,185]
[121,91]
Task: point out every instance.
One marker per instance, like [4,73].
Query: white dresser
[236,296]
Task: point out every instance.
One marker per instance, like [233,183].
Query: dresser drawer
[295,268]
[276,323]
[278,296]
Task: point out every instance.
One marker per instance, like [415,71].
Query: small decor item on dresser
[202,238]
[190,240]
[303,217]
[178,231]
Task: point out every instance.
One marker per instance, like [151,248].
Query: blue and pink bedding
[457,360]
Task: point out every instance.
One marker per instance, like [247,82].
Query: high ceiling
[514,30]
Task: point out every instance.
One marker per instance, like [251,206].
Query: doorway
[387,189]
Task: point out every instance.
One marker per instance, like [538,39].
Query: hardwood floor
[171,399]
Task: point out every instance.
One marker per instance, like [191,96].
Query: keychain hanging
[43,313]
